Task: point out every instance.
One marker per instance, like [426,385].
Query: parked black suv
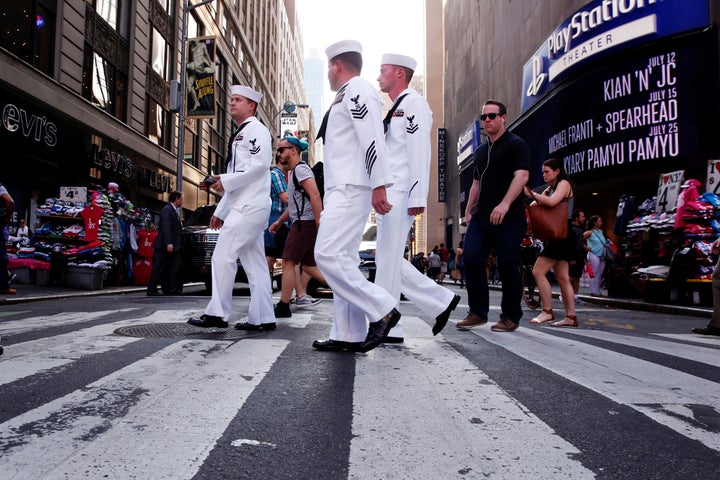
[197,246]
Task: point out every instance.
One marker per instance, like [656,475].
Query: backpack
[319,175]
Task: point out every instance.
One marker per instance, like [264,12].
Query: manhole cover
[183,330]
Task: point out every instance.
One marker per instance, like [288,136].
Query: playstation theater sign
[635,102]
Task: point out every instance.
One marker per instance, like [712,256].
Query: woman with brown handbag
[556,254]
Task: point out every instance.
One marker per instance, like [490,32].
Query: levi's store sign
[639,111]
[31,125]
[603,27]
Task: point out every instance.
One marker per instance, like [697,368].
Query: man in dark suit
[166,248]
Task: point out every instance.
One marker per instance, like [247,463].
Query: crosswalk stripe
[692,337]
[28,358]
[15,327]
[427,397]
[661,393]
[697,354]
[157,418]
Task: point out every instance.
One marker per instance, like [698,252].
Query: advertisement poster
[200,78]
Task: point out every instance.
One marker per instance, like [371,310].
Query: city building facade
[620,90]
[87,91]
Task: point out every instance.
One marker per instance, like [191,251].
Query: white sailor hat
[399,60]
[246,92]
[344,46]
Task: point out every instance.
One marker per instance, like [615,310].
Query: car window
[201,216]
[370,234]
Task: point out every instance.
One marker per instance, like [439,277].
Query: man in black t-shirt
[495,216]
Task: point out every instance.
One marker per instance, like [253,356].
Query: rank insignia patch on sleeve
[255,149]
[412,126]
[359,111]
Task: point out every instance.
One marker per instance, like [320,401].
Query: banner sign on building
[642,113]
[288,124]
[442,162]
[603,26]
[200,78]
[468,142]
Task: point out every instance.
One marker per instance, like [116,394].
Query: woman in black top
[556,254]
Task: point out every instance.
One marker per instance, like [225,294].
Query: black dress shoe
[389,339]
[707,331]
[336,346]
[442,319]
[379,330]
[250,326]
[208,321]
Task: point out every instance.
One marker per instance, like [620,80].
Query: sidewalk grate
[183,330]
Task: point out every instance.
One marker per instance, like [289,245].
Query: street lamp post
[181,94]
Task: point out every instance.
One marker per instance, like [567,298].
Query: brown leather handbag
[549,223]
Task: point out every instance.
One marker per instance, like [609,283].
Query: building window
[103,85]
[115,12]
[168,6]
[191,152]
[193,29]
[27,30]
[160,52]
[157,124]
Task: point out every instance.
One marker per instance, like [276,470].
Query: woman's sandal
[570,321]
[542,319]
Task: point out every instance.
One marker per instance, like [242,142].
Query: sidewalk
[34,293]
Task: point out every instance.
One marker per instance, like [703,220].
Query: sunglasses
[282,149]
[491,116]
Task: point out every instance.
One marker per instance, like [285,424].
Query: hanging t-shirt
[626,210]
[688,194]
[92,214]
[146,238]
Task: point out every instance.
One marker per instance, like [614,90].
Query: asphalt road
[119,387]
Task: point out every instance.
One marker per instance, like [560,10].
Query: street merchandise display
[667,255]
[81,240]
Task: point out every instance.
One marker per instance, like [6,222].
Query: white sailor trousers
[241,236]
[396,274]
[345,211]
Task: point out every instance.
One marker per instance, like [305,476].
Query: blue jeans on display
[480,238]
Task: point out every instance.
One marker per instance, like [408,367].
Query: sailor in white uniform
[356,177]
[407,138]
[243,214]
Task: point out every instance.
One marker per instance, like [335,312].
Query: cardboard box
[83,277]
[699,293]
[25,275]
[42,277]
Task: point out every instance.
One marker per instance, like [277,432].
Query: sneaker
[8,291]
[471,320]
[282,310]
[307,301]
[504,325]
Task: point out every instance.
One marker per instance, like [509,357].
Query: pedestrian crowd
[314,219]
